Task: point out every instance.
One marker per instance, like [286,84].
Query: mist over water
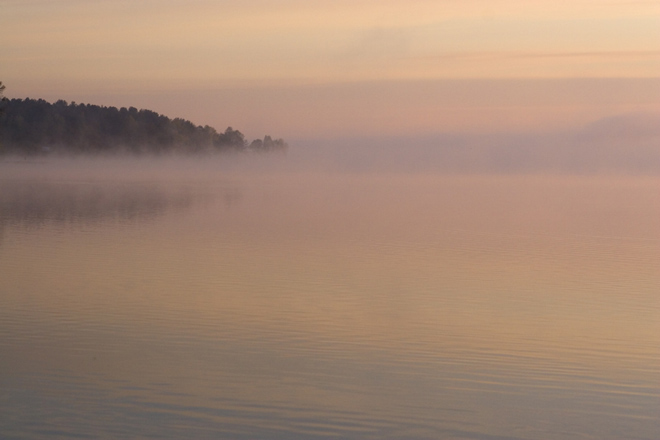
[359,291]
[625,144]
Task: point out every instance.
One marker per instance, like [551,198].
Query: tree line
[36,127]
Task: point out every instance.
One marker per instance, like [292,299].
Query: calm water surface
[309,306]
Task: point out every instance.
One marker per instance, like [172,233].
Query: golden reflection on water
[463,305]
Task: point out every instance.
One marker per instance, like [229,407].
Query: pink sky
[294,68]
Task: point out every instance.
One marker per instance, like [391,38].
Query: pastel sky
[315,68]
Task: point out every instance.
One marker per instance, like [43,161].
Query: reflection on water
[39,202]
[344,306]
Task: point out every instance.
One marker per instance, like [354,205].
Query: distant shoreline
[35,127]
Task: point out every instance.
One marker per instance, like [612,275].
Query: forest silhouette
[37,127]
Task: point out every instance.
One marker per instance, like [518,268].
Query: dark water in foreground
[313,306]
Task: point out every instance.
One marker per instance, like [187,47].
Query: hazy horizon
[323,70]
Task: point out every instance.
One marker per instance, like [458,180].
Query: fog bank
[624,144]
[627,143]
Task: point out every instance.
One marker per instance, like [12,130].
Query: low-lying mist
[626,144]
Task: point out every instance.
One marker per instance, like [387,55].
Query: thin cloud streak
[326,41]
[514,55]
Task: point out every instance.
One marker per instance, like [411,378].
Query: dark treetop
[29,127]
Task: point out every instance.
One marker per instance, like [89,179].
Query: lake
[195,300]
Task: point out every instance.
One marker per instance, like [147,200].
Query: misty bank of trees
[37,127]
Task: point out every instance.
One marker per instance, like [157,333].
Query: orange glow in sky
[117,51]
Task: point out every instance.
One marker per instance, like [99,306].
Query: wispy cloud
[504,55]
